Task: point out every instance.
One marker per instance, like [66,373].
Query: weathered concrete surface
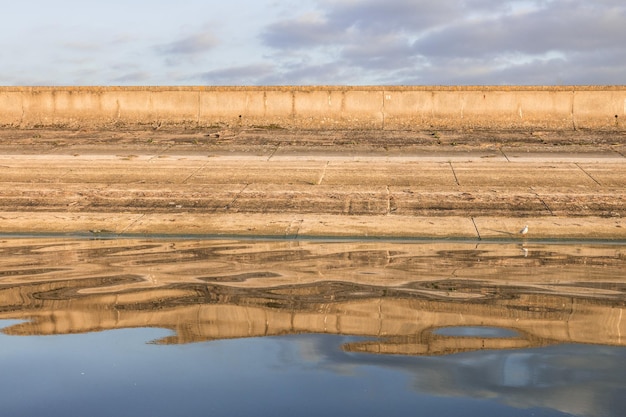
[328,183]
[319,107]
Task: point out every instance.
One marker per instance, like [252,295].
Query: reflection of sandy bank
[395,292]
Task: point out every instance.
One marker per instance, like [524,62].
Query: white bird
[524,230]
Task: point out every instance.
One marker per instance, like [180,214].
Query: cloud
[305,31]
[456,42]
[384,53]
[307,73]
[558,28]
[239,75]
[348,22]
[136,77]
[332,42]
[190,45]
[373,16]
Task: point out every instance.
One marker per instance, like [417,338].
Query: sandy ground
[282,183]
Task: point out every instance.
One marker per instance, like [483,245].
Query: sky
[313,42]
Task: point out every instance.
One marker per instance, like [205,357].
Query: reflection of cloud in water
[323,352]
[582,380]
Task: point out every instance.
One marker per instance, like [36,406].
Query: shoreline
[314,227]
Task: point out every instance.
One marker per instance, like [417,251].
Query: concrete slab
[297,198]
[606,174]
[465,201]
[298,226]
[63,222]
[119,169]
[388,226]
[390,174]
[137,197]
[38,174]
[267,172]
[139,173]
[386,154]
[532,174]
[608,202]
[240,224]
[551,228]
[557,154]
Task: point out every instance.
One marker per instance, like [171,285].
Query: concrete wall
[315,107]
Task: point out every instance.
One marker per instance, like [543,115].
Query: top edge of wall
[287,88]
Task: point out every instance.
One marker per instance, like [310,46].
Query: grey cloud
[241,75]
[597,67]
[570,70]
[385,52]
[333,73]
[133,77]
[300,33]
[190,45]
[406,15]
[391,16]
[571,29]
[346,22]
[456,42]
[477,72]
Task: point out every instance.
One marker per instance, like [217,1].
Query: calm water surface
[156,327]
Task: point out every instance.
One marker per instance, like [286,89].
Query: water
[475,331]
[160,327]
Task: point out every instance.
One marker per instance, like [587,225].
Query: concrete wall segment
[595,109]
[11,108]
[323,108]
[315,107]
[363,109]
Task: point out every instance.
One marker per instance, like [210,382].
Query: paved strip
[294,191]
[313,225]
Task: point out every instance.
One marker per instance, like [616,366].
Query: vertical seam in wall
[23,110]
[573,110]
[462,106]
[343,105]
[154,110]
[432,106]
[383,110]
[199,108]
[54,106]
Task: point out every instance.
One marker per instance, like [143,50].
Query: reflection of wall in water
[402,325]
[397,292]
